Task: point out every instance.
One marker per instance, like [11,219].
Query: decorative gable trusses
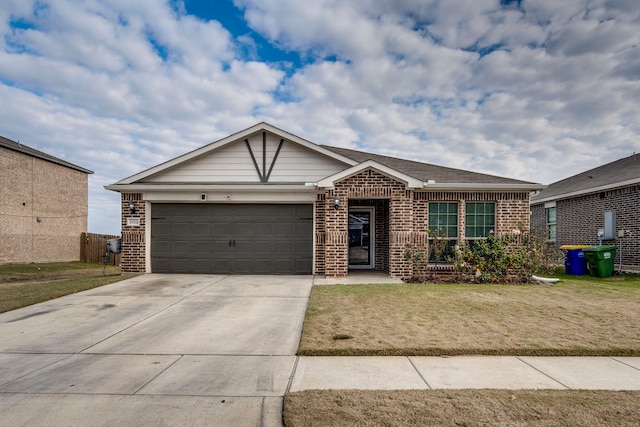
[263,157]
[262,173]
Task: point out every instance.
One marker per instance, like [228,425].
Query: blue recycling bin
[575,262]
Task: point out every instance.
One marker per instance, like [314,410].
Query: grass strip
[461,408]
[22,285]
[13,297]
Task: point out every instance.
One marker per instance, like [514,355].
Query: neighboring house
[572,211]
[43,205]
[264,201]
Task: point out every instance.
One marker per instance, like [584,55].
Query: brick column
[133,236]
[401,232]
[320,234]
[462,220]
[336,234]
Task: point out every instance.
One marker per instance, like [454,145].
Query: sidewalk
[466,372]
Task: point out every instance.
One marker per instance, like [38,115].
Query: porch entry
[361,237]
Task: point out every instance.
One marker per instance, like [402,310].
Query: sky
[536,90]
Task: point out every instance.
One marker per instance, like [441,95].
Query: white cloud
[120,86]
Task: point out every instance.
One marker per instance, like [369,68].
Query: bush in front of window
[512,258]
[420,256]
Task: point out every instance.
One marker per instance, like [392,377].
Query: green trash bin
[600,259]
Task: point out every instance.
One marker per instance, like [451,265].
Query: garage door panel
[244,228]
[302,265]
[160,246]
[284,248]
[203,213]
[161,229]
[267,265]
[200,229]
[178,265]
[181,248]
[201,247]
[284,228]
[222,228]
[264,230]
[220,247]
[200,265]
[181,229]
[261,247]
[232,239]
[303,227]
[302,247]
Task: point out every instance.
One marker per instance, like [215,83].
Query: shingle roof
[426,171]
[19,147]
[625,171]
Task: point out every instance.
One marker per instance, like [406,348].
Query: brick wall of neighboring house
[133,236]
[539,220]
[43,209]
[578,220]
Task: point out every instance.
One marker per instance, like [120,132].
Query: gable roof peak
[235,138]
[618,173]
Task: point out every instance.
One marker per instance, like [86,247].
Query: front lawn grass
[461,408]
[26,284]
[578,316]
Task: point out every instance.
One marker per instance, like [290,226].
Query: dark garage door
[231,239]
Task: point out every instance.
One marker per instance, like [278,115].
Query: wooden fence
[93,248]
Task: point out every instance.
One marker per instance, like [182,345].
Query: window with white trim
[551,223]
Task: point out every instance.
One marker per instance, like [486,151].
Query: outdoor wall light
[132,207]
[336,202]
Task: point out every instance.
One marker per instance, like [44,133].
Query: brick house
[572,210]
[43,205]
[264,201]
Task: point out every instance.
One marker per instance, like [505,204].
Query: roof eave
[216,145]
[586,191]
[457,186]
[16,146]
[129,188]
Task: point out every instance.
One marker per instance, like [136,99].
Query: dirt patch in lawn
[461,408]
[584,316]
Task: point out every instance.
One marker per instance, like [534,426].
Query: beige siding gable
[266,158]
[299,164]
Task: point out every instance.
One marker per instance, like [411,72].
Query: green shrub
[513,258]
[420,256]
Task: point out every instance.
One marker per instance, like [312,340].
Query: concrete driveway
[155,350]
